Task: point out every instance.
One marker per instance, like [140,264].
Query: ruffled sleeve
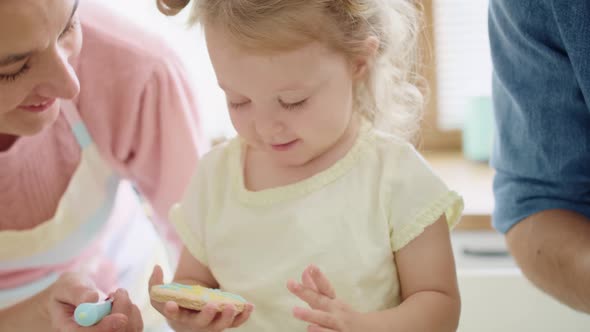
[418,198]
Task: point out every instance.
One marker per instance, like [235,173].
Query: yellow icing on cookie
[206,294]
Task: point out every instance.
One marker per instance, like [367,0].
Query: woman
[75,124]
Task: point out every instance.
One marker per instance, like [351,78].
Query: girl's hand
[327,314]
[72,289]
[206,320]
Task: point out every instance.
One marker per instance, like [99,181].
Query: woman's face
[39,40]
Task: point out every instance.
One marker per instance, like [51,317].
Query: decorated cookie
[195,297]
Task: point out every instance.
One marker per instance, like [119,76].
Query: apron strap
[73,117]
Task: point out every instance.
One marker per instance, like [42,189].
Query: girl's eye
[14,76]
[293,106]
[236,106]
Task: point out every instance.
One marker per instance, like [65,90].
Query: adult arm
[541,154]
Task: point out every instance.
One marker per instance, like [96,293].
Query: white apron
[83,235]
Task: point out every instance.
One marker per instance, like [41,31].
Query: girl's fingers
[243,317]
[307,280]
[190,318]
[324,285]
[316,317]
[205,317]
[311,297]
[170,310]
[225,320]
[157,277]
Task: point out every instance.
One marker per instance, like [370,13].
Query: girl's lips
[38,108]
[285,146]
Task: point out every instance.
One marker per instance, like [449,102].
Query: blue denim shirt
[541,93]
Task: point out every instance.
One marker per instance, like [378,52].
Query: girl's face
[39,39]
[294,106]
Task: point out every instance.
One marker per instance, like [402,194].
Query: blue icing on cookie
[175,286]
[230,295]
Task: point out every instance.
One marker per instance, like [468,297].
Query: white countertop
[497,297]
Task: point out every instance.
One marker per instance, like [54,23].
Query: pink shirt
[140,111]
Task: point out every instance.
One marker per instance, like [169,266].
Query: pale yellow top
[348,220]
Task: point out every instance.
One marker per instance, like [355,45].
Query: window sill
[470,179]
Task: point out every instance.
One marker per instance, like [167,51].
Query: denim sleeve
[541,88]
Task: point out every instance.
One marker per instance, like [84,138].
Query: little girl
[321,184]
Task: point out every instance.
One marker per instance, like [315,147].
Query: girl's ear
[362,63]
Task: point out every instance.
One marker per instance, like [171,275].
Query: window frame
[432,137]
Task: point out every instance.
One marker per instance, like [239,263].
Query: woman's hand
[327,313]
[72,289]
[206,320]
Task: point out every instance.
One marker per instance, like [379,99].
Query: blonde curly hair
[389,96]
